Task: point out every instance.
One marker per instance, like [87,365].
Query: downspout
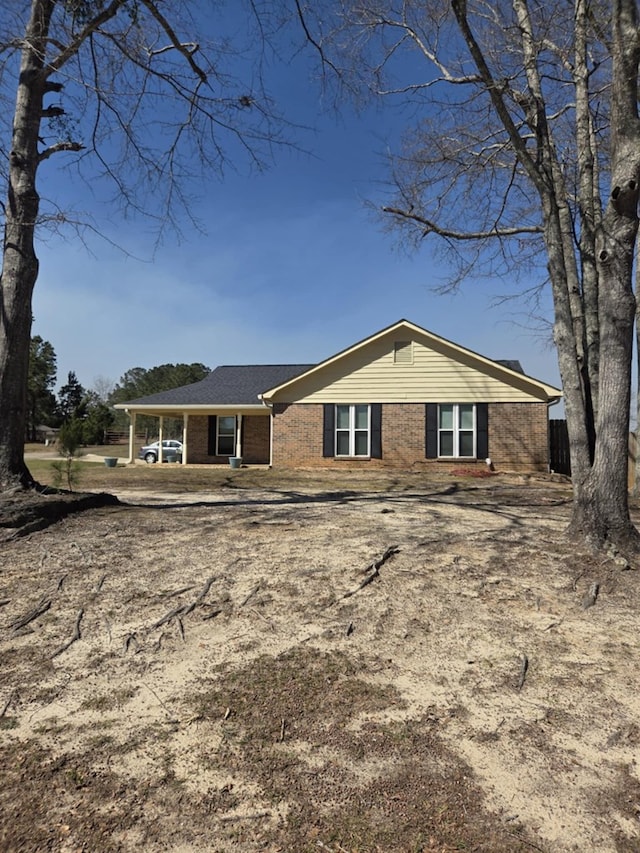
[552,402]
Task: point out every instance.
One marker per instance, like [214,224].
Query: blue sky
[292,268]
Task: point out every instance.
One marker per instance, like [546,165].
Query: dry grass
[176,478]
[236,688]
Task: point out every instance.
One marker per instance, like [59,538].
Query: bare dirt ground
[407,667]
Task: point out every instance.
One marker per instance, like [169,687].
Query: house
[403,397]
[46,434]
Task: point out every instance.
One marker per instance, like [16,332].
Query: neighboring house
[46,434]
[403,397]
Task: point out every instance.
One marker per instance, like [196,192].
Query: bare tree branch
[68,51]
[148,104]
[187,50]
[316,44]
[59,146]
[433,227]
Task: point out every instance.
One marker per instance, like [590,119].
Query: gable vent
[403,352]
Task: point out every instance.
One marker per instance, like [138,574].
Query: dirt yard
[412,667]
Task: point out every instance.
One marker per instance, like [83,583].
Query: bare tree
[525,149]
[103,387]
[131,92]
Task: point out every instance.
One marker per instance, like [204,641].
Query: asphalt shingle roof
[512,364]
[227,385]
[241,384]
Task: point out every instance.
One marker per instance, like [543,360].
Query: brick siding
[518,437]
[297,435]
[255,441]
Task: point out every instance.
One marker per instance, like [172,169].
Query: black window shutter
[482,426]
[213,435]
[376,430]
[328,440]
[431,428]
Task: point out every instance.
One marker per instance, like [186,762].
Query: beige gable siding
[372,374]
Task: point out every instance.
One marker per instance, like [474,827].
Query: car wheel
[150,458]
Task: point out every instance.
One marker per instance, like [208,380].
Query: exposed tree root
[589,529]
[25,511]
[76,636]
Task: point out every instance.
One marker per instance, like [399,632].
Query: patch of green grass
[8,723]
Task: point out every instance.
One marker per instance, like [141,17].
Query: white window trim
[457,430]
[225,435]
[352,432]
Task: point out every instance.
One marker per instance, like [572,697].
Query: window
[353,429]
[226,436]
[457,430]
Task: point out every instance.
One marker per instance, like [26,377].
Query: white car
[170,447]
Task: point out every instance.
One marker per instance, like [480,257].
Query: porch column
[272,423]
[185,424]
[160,434]
[239,435]
[132,435]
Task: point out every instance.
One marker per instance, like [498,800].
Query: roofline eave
[191,408]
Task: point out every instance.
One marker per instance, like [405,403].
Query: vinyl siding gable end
[372,374]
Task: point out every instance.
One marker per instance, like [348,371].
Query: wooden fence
[560,460]
[115,437]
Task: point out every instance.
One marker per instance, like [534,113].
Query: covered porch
[209,434]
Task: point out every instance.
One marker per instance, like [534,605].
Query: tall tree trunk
[594,315]
[601,509]
[19,262]
[636,446]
